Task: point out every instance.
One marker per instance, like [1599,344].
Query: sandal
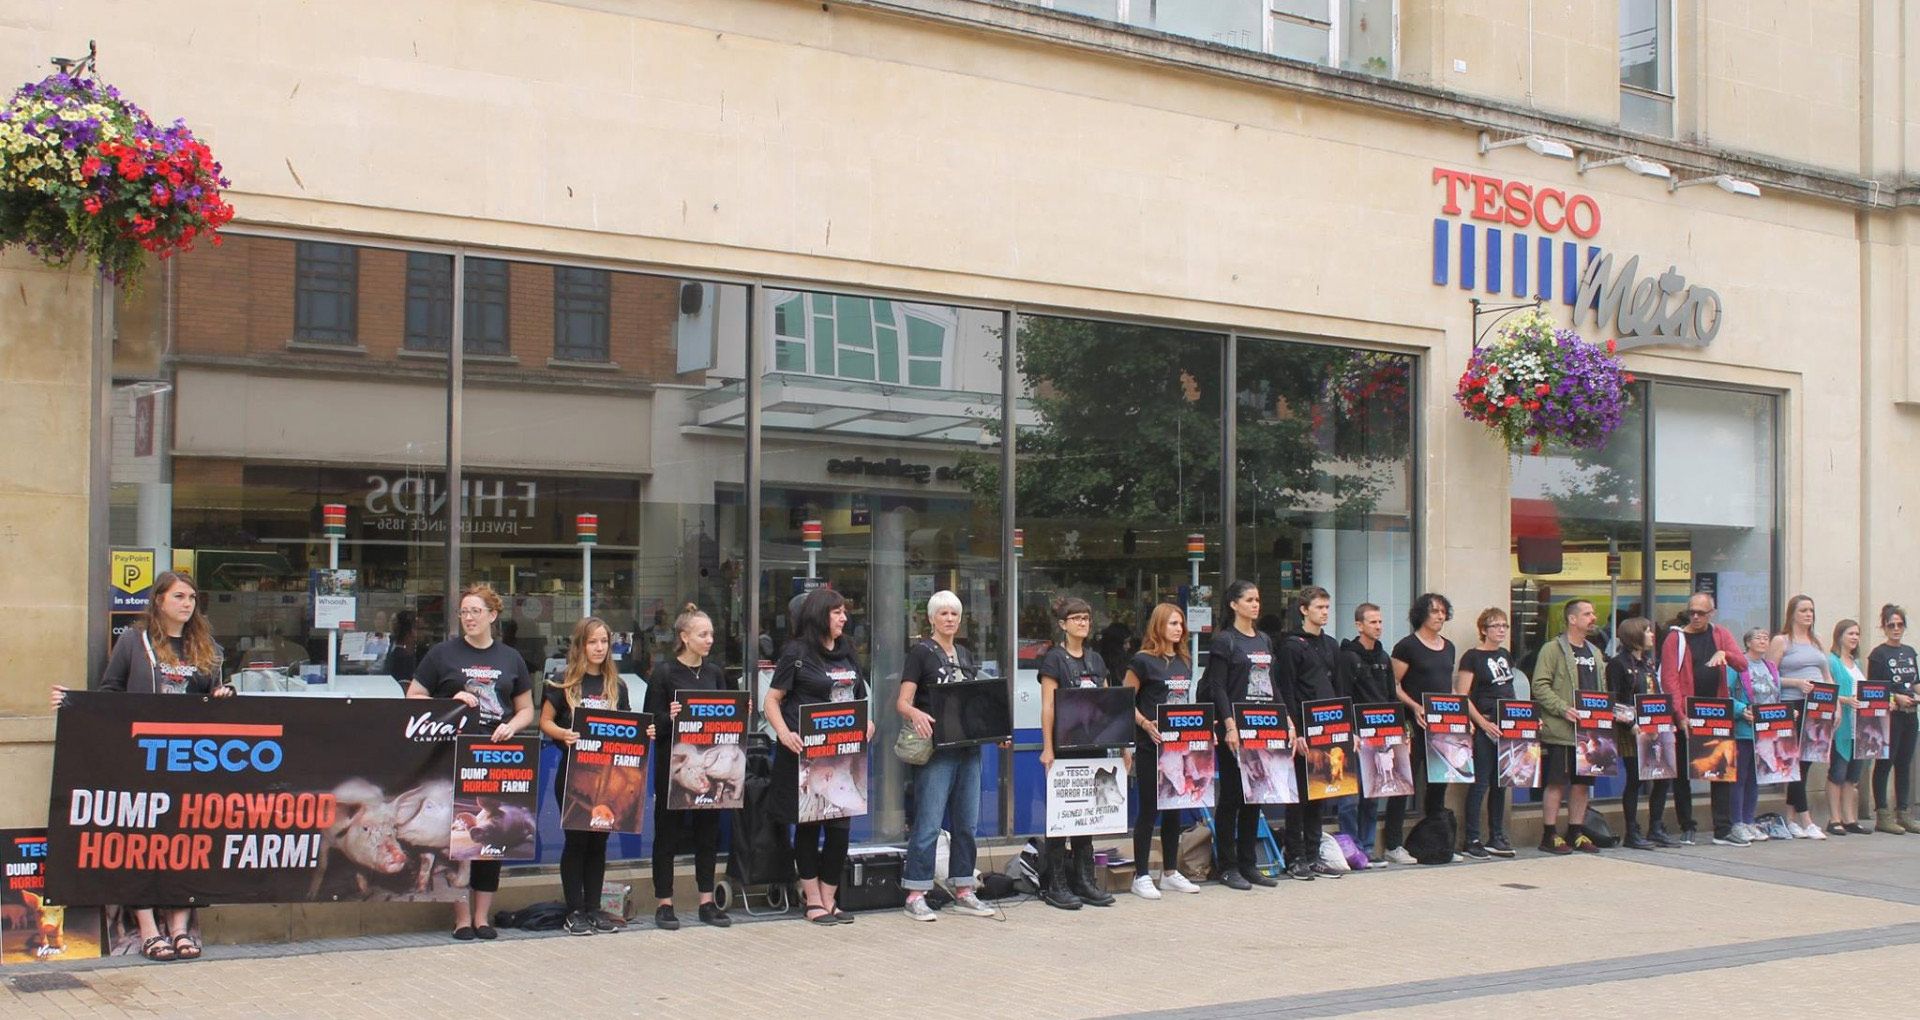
[185,946]
[817,914]
[841,916]
[159,949]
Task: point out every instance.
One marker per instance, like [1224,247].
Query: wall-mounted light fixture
[1725,182]
[1633,164]
[1539,144]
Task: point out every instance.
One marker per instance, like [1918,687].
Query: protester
[486,675]
[1630,674]
[1070,879]
[1423,664]
[400,659]
[949,782]
[1801,660]
[818,665]
[687,667]
[1694,661]
[1843,769]
[588,681]
[169,651]
[1239,669]
[1370,679]
[1160,673]
[1893,663]
[1568,663]
[1311,669]
[1758,684]
[1485,677]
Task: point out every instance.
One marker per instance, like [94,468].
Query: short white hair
[943,600]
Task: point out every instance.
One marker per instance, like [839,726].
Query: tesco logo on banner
[1263,718]
[835,721]
[607,728]
[209,747]
[1710,711]
[1379,718]
[486,757]
[1328,715]
[1186,720]
[714,710]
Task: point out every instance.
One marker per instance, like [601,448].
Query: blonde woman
[687,668]
[1797,653]
[590,681]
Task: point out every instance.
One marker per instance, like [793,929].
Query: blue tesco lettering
[711,711]
[499,757]
[838,721]
[607,729]
[209,755]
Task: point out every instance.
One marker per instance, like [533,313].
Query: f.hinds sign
[1486,221]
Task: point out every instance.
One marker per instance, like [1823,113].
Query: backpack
[1431,841]
[548,916]
[1596,827]
[996,886]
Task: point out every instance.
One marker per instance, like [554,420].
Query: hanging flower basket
[1536,385]
[86,175]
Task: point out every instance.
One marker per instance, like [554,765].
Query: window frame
[1666,65]
[901,321]
[572,296]
[319,279]
[431,293]
[1271,16]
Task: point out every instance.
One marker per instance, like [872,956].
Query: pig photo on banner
[1266,754]
[1519,745]
[1449,738]
[1820,716]
[1086,797]
[1596,747]
[707,765]
[1655,736]
[1776,748]
[1186,767]
[194,800]
[607,772]
[495,801]
[1331,771]
[833,760]
[33,930]
[1386,752]
[1710,740]
[1873,721]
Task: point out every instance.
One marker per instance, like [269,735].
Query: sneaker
[1233,879]
[577,924]
[710,913]
[918,909]
[1585,845]
[1478,851]
[1173,881]
[1732,838]
[1755,834]
[966,901]
[1300,873]
[1553,843]
[1325,872]
[665,919]
[1813,832]
[1258,877]
[1399,855]
[1500,847]
[1143,887]
[1688,837]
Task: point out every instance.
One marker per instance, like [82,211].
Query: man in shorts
[1567,664]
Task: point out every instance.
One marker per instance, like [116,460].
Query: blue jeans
[948,782]
[1357,817]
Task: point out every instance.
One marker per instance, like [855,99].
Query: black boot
[1635,841]
[1080,877]
[1660,837]
[1054,883]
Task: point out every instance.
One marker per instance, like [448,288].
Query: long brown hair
[1786,623]
[572,681]
[1155,642]
[196,635]
[1840,631]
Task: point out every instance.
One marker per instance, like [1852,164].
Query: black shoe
[665,919]
[485,932]
[1635,841]
[711,913]
[1300,873]
[1857,829]
[1478,851]
[1258,877]
[1233,879]
[577,924]
[1080,878]
[1689,837]
[603,923]
[1325,872]
[1500,847]
[1055,892]
[464,933]
[1661,838]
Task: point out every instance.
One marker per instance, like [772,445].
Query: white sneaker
[1813,832]
[1399,855]
[1143,888]
[1757,834]
[1173,881]
[966,901]
[1796,831]
[918,909]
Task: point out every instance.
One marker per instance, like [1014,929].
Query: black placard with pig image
[495,805]
[190,800]
[31,929]
[607,772]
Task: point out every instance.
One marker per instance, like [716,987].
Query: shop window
[430,304]
[1357,35]
[861,339]
[581,300]
[326,285]
[1714,504]
[1646,66]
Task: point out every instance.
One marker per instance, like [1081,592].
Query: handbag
[911,747]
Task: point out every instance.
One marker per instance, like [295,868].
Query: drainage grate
[1517,885]
[51,982]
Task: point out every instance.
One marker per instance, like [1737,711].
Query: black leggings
[1147,771]
[1904,732]
[583,857]
[1236,822]
[1657,793]
[675,832]
[484,876]
[815,858]
[1796,790]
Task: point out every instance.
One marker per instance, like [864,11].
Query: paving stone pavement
[1810,924]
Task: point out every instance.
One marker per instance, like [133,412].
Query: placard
[31,929]
[1449,738]
[334,599]
[1596,749]
[1872,721]
[1386,758]
[1092,718]
[1331,770]
[707,764]
[1776,747]
[969,712]
[1186,766]
[495,805]
[1086,797]
[1519,744]
[1266,754]
[190,800]
[1820,716]
[1710,740]
[833,760]
[1655,736]
[607,772]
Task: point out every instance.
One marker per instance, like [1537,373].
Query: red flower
[91,204]
[161,196]
[1536,449]
[1626,377]
[1533,405]
[1542,390]
[90,167]
[1511,400]
[1613,346]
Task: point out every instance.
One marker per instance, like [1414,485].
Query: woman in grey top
[1801,661]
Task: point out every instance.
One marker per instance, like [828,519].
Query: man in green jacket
[1569,663]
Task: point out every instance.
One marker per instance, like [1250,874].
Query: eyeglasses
[1080,618]
[1699,612]
[465,611]
[1498,626]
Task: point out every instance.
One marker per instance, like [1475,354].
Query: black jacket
[1369,673]
[1314,670]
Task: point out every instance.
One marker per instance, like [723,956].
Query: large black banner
[179,800]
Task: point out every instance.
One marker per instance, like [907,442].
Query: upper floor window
[868,339]
[1356,35]
[1646,66]
[326,287]
[430,304]
[581,313]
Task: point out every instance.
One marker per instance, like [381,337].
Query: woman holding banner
[170,651]
[698,830]
[1239,668]
[1630,674]
[485,675]
[949,782]
[1161,673]
[1894,663]
[1071,663]
[589,681]
[1485,676]
[1843,769]
[1423,663]
[1796,652]
[818,665]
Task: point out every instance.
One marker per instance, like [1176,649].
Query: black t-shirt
[495,675]
[663,689]
[807,676]
[1708,681]
[1586,666]
[927,665]
[132,655]
[1163,680]
[180,676]
[592,695]
[1089,670]
[1896,666]
[1312,669]
[1239,668]
[1429,671]
[401,663]
[1492,679]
